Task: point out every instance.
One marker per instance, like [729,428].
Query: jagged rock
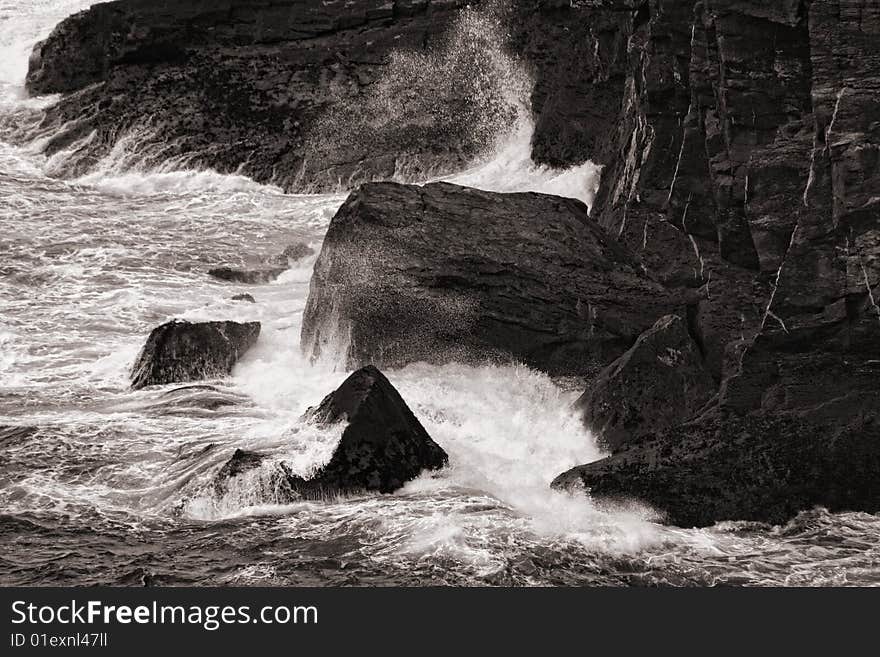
[383,445]
[180,351]
[761,468]
[244,297]
[247,276]
[241,461]
[658,383]
[297,92]
[442,272]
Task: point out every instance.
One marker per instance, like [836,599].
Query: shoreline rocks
[180,351]
[441,272]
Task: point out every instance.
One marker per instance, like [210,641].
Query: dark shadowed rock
[244,297]
[760,468]
[742,165]
[659,382]
[383,445]
[444,272]
[184,351]
[247,276]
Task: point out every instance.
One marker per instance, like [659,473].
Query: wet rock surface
[247,276]
[383,446]
[441,272]
[181,351]
[659,382]
[764,468]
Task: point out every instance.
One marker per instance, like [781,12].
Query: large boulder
[440,272]
[383,446]
[658,383]
[181,351]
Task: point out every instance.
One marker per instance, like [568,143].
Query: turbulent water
[110,487]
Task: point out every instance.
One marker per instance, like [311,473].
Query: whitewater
[112,486]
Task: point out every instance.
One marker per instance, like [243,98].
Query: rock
[383,445]
[209,398]
[293,92]
[241,462]
[760,468]
[443,272]
[741,165]
[297,251]
[247,276]
[180,351]
[660,382]
[244,297]
[272,486]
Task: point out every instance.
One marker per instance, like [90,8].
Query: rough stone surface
[744,165]
[383,446]
[180,351]
[658,383]
[441,272]
[761,468]
[279,91]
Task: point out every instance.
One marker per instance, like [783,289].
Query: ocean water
[111,486]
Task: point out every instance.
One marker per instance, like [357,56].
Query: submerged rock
[273,487]
[244,297]
[247,276]
[442,272]
[658,383]
[15,434]
[181,351]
